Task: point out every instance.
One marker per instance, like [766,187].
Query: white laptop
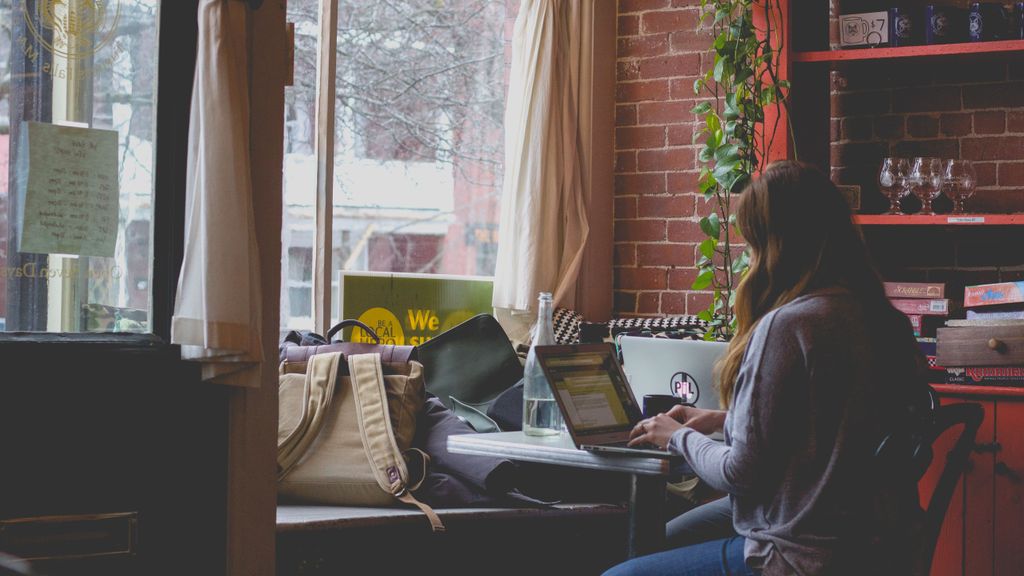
[681,368]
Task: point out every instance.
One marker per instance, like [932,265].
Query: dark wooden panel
[981,346]
[1009,489]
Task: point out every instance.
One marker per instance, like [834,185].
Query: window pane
[77,145]
[419,140]
[299,231]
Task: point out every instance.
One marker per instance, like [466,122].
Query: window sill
[149,345]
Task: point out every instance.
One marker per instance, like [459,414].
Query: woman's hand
[657,431]
[703,421]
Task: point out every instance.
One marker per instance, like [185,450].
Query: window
[77,156]
[418,143]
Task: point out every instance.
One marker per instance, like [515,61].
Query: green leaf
[704,315]
[707,247]
[719,70]
[703,280]
[702,108]
[716,224]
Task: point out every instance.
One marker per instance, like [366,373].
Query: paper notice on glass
[69,191]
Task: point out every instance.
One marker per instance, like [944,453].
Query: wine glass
[925,181]
[961,181]
[891,179]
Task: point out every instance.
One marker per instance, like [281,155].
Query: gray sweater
[812,399]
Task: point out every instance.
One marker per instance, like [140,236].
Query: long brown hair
[802,238]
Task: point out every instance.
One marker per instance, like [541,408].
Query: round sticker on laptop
[684,386]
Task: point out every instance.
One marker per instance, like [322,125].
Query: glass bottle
[541,415]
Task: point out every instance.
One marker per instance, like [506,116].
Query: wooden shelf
[940,220]
[935,50]
[966,390]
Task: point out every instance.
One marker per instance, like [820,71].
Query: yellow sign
[72,28]
[384,323]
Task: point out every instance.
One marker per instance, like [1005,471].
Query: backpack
[345,431]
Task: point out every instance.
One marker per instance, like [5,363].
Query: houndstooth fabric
[567,326]
[657,324]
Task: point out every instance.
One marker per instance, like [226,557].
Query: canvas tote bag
[345,432]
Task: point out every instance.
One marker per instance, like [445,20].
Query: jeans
[714,558]
[711,521]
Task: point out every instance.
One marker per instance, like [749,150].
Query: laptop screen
[591,389]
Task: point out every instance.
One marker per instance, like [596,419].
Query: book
[994,294]
[985,322]
[986,376]
[914,290]
[937,307]
[925,326]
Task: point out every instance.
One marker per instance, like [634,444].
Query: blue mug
[1018,21]
[942,24]
[904,27]
[987,21]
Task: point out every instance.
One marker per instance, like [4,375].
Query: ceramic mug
[1018,21]
[942,23]
[987,21]
[903,27]
[655,404]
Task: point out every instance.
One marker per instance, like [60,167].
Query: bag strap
[317,395]
[389,467]
[355,324]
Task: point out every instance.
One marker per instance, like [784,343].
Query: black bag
[468,366]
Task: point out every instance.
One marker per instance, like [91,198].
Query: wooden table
[647,475]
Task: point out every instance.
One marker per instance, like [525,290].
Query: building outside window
[418,142]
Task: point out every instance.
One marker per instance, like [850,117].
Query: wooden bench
[562,539]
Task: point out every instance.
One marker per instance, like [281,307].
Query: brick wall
[971,109]
[660,54]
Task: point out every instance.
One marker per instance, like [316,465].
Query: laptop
[592,392]
[683,368]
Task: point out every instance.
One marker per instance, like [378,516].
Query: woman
[820,368]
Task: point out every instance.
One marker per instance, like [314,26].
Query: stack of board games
[999,304]
[927,307]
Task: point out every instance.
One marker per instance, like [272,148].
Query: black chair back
[909,452]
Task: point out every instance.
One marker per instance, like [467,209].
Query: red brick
[640,231]
[894,127]
[685,231]
[643,46]
[670,21]
[627,70]
[673,303]
[1011,173]
[629,25]
[641,278]
[626,6]
[630,138]
[926,99]
[640,183]
[625,162]
[641,91]
[861,104]
[955,124]
[993,148]
[1015,121]
[923,126]
[680,183]
[664,112]
[910,148]
[681,279]
[853,154]
[667,160]
[1007,95]
[680,135]
[648,303]
[682,89]
[672,206]
[686,3]
[986,172]
[625,302]
[664,255]
[625,207]
[697,302]
[625,254]
[670,66]
[625,115]
[990,122]
[856,128]
[690,40]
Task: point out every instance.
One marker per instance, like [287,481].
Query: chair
[909,451]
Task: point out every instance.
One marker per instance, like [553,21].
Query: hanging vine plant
[741,84]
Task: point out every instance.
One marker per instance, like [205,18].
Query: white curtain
[217,311]
[543,220]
